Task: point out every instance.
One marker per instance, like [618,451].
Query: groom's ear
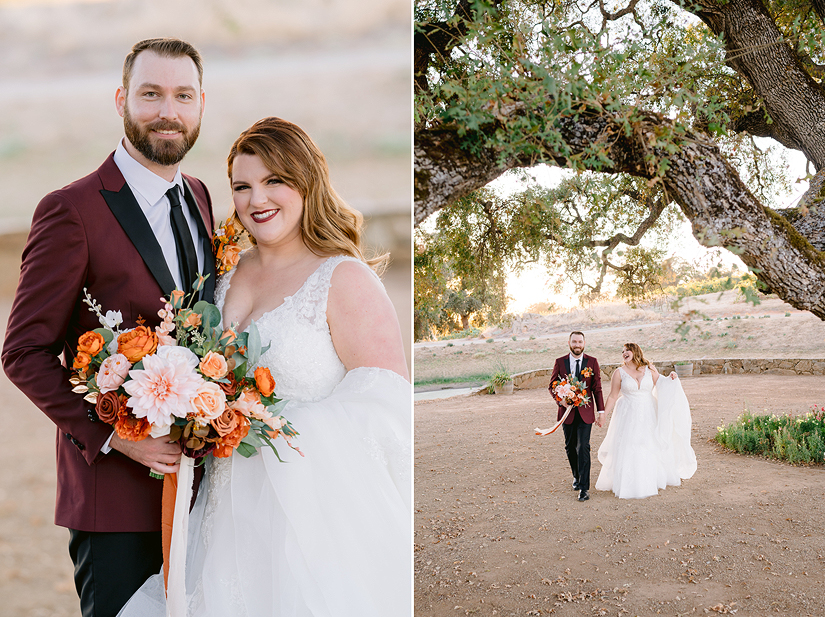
[120,100]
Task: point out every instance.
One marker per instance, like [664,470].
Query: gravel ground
[498,529]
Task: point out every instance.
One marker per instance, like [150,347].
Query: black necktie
[187,258]
[577,369]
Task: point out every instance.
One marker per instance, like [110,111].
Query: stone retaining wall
[541,378]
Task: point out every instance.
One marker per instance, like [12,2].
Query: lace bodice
[633,388]
[301,356]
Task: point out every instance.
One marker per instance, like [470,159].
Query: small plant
[787,314]
[489,340]
[500,377]
[682,362]
[514,337]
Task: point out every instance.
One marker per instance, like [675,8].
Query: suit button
[79,445]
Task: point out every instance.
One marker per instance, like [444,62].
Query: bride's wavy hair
[638,357]
[329,226]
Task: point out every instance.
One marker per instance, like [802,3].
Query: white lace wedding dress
[326,535]
[647,446]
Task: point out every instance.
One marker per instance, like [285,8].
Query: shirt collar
[150,185]
[574,358]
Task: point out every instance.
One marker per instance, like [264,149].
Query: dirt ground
[498,529]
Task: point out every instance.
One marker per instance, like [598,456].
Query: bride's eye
[240,187]
[274,181]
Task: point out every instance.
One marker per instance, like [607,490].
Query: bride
[326,534]
[647,445]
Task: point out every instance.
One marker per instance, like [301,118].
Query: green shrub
[796,439]
[468,333]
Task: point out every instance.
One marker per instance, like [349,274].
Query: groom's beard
[162,152]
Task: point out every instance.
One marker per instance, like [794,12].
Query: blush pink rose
[113,372]
[209,402]
[249,404]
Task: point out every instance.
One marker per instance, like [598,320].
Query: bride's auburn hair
[638,357]
[329,226]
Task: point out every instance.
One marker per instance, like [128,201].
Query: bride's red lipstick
[271,214]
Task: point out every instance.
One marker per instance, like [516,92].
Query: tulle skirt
[647,446]
[324,535]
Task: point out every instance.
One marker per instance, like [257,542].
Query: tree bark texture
[709,191]
[757,51]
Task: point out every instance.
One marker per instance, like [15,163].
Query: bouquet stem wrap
[177,495]
[546,431]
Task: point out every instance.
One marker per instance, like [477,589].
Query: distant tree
[670,93]
[451,288]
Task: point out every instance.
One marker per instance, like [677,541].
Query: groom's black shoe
[576,485]
[584,495]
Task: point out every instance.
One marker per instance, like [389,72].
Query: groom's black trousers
[110,567]
[577,446]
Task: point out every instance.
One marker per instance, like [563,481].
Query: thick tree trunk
[757,51]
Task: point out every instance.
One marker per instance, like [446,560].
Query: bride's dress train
[326,535]
[647,446]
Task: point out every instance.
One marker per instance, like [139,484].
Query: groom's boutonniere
[587,372]
[226,245]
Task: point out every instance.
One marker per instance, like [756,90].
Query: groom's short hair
[164,47]
[574,333]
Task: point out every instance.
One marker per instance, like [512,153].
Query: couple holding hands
[647,446]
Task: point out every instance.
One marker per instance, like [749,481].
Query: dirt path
[498,530]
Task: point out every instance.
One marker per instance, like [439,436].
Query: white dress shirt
[573,363]
[149,190]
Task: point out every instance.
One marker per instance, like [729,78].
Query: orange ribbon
[546,431]
[170,489]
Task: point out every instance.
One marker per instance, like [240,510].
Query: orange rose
[81,361]
[90,343]
[227,422]
[229,442]
[193,320]
[229,256]
[227,337]
[108,407]
[264,381]
[213,365]
[176,298]
[137,343]
[131,428]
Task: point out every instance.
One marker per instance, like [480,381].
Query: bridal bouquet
[569,391]
[186,379]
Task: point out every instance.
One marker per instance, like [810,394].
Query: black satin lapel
[128,213]
[208,291]
[584,361]
[567,365]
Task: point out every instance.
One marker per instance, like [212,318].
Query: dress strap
[318,285]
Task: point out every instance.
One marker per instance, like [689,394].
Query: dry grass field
[726,328]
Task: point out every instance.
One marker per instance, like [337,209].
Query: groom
[580,420]
[130,232]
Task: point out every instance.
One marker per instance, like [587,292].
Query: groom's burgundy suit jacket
[562,369]
[91,234]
